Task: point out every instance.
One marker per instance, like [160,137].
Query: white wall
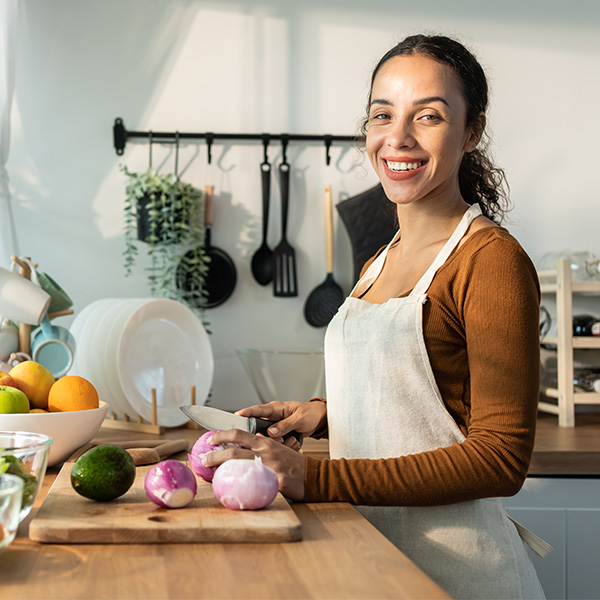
[276,66]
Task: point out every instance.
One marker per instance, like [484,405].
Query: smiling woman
[429,423]
[479,179]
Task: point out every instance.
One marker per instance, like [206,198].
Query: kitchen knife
[214,418]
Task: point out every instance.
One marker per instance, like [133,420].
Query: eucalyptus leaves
[167,215]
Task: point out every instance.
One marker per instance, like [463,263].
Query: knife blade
[215,418]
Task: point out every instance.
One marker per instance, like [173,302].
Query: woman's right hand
[303,417]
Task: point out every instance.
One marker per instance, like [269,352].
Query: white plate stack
[128,346]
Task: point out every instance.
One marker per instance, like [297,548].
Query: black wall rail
[121,135]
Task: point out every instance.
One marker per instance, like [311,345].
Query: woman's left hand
[289,464]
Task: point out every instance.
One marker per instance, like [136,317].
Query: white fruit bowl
[68,430]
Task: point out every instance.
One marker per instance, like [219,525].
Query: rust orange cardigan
[481,328]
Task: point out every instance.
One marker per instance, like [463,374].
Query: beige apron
[383,402]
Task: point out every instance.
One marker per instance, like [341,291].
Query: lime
[12,400]
[103,473]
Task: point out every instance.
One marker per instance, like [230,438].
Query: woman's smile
[403,168]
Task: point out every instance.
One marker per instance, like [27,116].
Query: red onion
[245,484]
[170,484]
[202,447]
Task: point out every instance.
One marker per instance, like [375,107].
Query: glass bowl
[11,495]
[25,455]
[284,374]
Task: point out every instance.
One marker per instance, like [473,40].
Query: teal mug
[53,347]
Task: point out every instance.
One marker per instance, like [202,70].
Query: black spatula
[284,256]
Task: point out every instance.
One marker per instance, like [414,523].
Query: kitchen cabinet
[566,513]
[560,283]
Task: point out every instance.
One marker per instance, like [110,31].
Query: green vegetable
[11,464]
[103,473]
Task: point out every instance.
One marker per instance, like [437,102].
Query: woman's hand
[289,465]
[303,417]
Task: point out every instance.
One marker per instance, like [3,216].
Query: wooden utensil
[324,301]
[284,256]
[143,452]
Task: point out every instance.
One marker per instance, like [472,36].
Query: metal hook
[284,143]
[150,149]
[265,141]
[328,139]
[209,141]
[177,155]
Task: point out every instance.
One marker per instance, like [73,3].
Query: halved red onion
[245,484]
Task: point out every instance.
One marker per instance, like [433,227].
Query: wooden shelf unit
[559,281]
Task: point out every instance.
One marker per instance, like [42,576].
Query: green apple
[12,400]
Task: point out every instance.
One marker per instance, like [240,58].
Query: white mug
[22,300]
[9,339]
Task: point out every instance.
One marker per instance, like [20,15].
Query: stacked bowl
[128,346]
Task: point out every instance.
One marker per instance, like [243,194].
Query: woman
[432,360]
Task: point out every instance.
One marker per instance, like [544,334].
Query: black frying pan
[221,277]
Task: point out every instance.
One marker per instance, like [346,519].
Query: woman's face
[417,132]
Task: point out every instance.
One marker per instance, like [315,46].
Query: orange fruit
[72,393]
[34,380]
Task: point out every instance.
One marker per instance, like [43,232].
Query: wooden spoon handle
[171,447]
[209,191]
[144,456]
[328,230]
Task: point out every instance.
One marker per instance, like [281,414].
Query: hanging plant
[167,215]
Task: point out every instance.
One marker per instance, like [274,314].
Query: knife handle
[261,426]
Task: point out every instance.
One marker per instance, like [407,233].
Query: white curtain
[8,36]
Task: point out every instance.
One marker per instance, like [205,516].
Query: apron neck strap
[374,268]
[423,284]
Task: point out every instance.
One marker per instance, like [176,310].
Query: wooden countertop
[567,451]
[341,556]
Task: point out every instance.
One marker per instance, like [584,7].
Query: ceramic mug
[22,300]
[60,299]
[9,339]
[53,347]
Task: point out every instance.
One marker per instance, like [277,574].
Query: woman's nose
[401,135]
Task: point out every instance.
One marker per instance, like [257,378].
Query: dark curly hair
[479,179]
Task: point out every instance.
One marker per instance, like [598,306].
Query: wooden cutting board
[65,517]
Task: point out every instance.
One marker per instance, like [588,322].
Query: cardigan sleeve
[496,304]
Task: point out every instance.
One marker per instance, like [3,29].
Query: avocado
[103,473]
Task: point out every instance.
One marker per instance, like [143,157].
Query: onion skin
[245,484]
[202,447]
[170,484]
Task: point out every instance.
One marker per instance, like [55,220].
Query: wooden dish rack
[113,422]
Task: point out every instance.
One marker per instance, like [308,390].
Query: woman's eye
[430,117]
[379,117]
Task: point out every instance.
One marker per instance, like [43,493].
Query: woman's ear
[475,133]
